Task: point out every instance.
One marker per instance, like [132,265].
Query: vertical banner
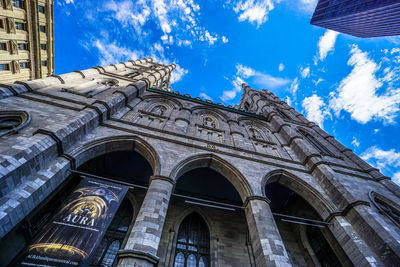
[73,234]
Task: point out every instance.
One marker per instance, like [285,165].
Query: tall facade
[359,18]
[26,40]
[209,185]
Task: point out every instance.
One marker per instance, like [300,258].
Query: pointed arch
[313,197]
[193,241]
[219,165]
[163,99]
[105,145]
[213,111]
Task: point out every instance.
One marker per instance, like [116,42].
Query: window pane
[179,260]
[111,253]
[99,252]
[191,262]
[202,262]
[193,238]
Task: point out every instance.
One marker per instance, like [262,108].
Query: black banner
[74,232]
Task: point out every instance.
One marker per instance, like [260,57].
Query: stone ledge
[131,253]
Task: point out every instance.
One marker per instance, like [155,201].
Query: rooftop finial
[244,85]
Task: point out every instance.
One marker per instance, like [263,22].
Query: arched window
[384,207]
[12,121]
[106,253]
[321,248]
[193,244]
[209,121]
[159,110]
[246,106]
[283,114]
[255,134]
[315,143]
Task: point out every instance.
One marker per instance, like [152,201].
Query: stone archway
[218,164]
[102,146]
[323,206]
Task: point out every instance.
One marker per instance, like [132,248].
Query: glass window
[3,46]
[41,9]
[24,65]
[323,251]
[44,63]
[111,253]
[43,46]
[385,208]
[18,3]
[314,142]
[23,46]
[106,253]
[193,245]
[20,26]
[42,28]
[2,24]
[4,66]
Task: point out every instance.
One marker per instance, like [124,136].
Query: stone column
[267,243]
[144,238]
[353,245]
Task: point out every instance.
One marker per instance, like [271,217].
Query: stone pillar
[144,238]
[353,245]
[267,243]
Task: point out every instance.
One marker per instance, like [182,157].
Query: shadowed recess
[128,166]
[209,184]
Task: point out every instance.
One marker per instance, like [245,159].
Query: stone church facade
[256,184]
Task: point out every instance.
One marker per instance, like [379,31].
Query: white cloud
[294,86]
[318,81]
[288,100]
[355,142]
[376,131]
[386,160]
[224,39]
[308,5]
[396,178]
[315,109]
[326,43]
[205,96]
[261,79]
[178,20]
[111,53]
[357,93]
[177,74]
[255,11]
[231,94]
[281,67]
[305,72]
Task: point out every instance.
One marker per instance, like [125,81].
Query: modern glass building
[360,18]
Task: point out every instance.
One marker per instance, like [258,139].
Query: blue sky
[349,86]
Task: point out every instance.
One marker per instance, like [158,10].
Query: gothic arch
[163,99]
[175,229]
[263,127]
[105,145]
[206,110]
[199,211]
[312,196]
[217,164]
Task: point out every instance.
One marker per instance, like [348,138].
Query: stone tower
[209,185]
